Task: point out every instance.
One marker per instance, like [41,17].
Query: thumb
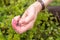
[26,19]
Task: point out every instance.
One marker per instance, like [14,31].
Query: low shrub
[46,27]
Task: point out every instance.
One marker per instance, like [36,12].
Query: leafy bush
[47,27]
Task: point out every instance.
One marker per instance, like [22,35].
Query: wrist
[37,6]
[44,3]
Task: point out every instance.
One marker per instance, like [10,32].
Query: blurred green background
[47,27]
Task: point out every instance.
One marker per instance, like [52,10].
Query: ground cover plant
[46,27]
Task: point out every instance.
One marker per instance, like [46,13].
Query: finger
[22,29]
[26,27]
[27,19]
[14,21]
[30,15]
[30,25]
[25,14]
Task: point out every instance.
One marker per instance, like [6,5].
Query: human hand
[26,22]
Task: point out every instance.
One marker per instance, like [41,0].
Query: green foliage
[47,27]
